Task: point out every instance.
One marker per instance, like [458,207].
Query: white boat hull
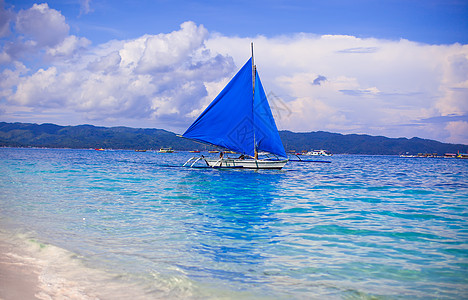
[318,153]
[246,163]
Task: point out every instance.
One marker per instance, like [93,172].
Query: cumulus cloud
[45,26]
[39,30]
[161,53]
[372,86]
[457,131]
[153,78]
[332,82]
[68,47]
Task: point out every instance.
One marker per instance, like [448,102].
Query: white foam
[64,275]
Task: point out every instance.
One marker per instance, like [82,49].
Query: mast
[253,71]
[253,99]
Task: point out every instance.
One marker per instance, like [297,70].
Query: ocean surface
[137,225]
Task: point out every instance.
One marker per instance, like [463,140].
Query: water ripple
[360,227]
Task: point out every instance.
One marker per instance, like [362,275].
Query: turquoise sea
[137,225]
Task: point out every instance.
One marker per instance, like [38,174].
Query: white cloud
[457,131]
[163,52]
[454,82]
[41,89]
[154,78]
[68,46]
[39,30]
[9,79]
[332,82]
[107,64]
[372,86]
[42,24]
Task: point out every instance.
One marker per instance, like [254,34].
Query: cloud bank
[329,82]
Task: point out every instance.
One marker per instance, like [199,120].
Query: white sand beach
[32,270]
[19,277]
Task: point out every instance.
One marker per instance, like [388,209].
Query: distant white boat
[318,153]
[166,150]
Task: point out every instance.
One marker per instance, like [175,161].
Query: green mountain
[88,136]
[365,144]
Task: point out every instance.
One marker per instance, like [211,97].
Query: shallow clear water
[360,227]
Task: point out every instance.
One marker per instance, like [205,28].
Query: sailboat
[239,119]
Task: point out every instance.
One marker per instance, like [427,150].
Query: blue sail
[233,121]
[266,133]
[223,121]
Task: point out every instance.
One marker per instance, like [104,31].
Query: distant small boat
[166,150]
[462,155]
[140,150]
[99,149]
[194,151]
[318,153]
[213,151]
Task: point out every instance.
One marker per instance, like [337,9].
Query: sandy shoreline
[19,277]
[30,269]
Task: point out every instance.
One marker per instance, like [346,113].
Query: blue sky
[391,67]
[427,21]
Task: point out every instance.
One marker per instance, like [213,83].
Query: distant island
[89,136]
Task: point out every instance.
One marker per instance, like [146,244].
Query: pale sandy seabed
[30,269]
[33,270]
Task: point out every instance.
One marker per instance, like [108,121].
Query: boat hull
[318,153]
[246,163]
[163,150]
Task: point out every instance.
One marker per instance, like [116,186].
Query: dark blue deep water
[139,226]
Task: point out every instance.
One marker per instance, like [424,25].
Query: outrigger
[241,162]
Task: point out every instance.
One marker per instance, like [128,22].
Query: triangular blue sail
[237,120]
[266,133]
[227,121]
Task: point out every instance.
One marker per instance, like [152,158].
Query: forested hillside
[88,136]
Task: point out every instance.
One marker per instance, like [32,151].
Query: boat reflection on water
[236,222]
